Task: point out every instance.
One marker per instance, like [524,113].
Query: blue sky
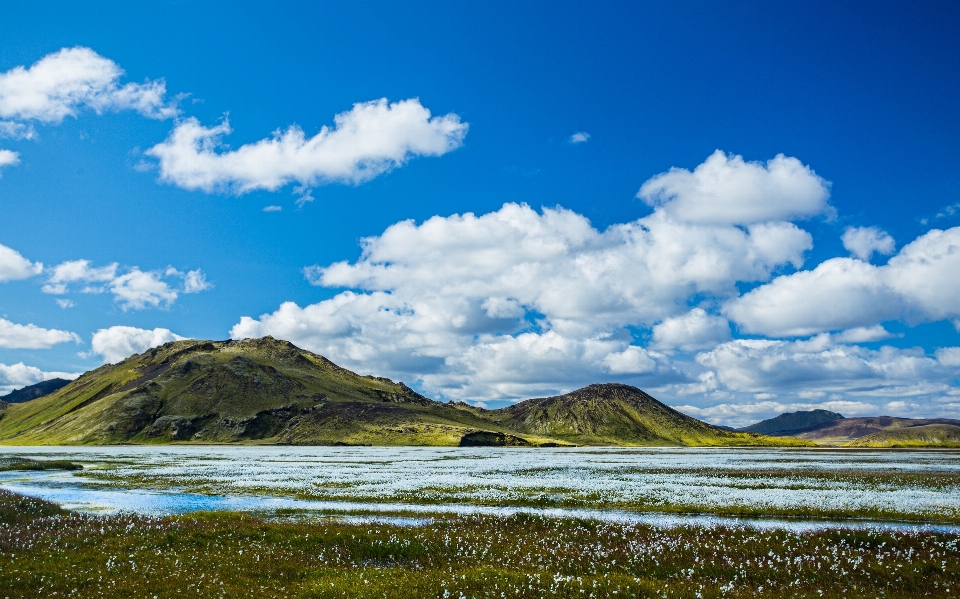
[726,289]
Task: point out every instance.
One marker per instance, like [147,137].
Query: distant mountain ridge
[830,428]
[270,391]
[879,431]
[793,422]
[34,391]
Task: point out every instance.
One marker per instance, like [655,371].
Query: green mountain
[270,391]
[613,414]
[791,423]
[34,391]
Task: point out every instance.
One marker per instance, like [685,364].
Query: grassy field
[47,552]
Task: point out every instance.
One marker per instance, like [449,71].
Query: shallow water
[396,481]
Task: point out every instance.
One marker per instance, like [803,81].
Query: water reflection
[70,494]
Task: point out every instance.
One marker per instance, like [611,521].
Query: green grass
[8,464]
[46,552]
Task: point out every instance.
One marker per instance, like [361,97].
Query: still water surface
[404,482]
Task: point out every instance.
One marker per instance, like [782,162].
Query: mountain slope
[849,430]
[270,391]
[927,435]
[792,422]
[617,414]
[34,391]
[221,392]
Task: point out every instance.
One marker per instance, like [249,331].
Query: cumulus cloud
[138,290]
[862,242]
[17,376]
[63,83]
[821,364]
[725,189]
[74,271]
[516,302]
[9,158]
[949,356]
[919,284]
[691,331]
[14,267]
[29,336]
[557,264]
[134,289]
[117,343]
[366,141]
[579,137]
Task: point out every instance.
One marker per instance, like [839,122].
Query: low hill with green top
[270,391]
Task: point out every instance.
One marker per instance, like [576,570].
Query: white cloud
[368,140]
[14,267]
[579,137]
[17,376]
[9,158]
[117,343]
[74,271]
[949,356]
[862,335]
[138,290]
[693,330]
[918,284]
[65,303]
[13,130]
[134,289]
[727,190]
[820,364]
[557,264]
[61,84]
[517,303]
[478,306]
[272,208]
[194,281]
[29,336]
[862,242]
[632,360]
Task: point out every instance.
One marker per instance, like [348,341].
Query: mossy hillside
[231,391]
[270,391]
[614,414]
[930,435]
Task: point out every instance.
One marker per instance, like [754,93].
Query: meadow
[45,551]
[379,522]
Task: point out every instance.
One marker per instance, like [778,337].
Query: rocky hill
[608,414]
[270,391]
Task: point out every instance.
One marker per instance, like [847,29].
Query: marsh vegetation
[45,551]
